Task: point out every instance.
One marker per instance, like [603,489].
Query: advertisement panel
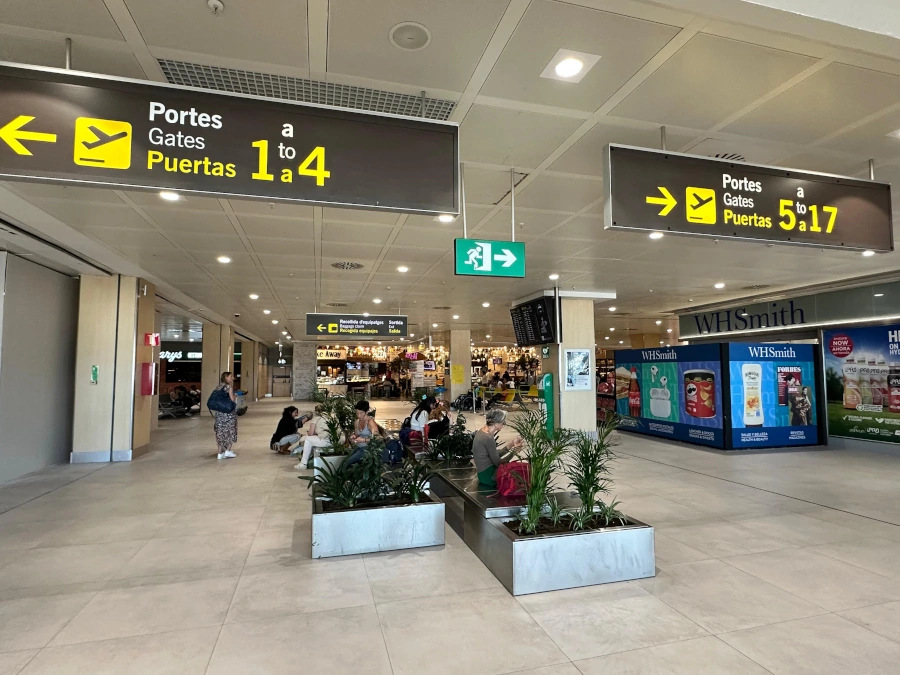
[862,382]
[673,393]
[772,395]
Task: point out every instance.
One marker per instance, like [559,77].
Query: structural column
[112,418]
[460,363]
[218,356]
[303,371]
[250,369]
[574,409]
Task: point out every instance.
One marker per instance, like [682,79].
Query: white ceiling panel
[560,193]
[189,202]
[408,256]
[585,228]
[709,80]
[350,251]
[825,162]
[337,215]
[89,17]
[512,137]
[145,238]
[81,215]
[207,222]
[369,234]
[435,237]
[359,44]
[870,139]
[71,193]
[296,231]
[271,245]
[279,27]
[624,45]
[256,207]
[586,156]
[820,105]
[755,153]
[84,57]
[529,224]
[208,247]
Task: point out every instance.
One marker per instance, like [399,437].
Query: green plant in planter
[410,480]
[609,514]
[554,511]
[543,451]
[343,487]
[454,446]
[587,466]
[371,470]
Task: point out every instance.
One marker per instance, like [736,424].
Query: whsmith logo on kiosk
[772,353]
[739,319]
[657,355]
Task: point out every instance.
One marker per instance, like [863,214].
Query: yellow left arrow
[12,134]
[667,201]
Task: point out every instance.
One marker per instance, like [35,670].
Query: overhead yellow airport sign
[357,325]
[68,127]
[687,194]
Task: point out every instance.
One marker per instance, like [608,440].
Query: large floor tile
[228,499]
[719,540]
[875,554]
[128,528]
[721,598]
[671,552]
[182,554]
[178,653]
[14,536]
[287,545]
[824,645]
[275,590]
[881,619]
[597,620]
[824,581]
[67,564]
[402,575]
[561,669]
[704,656]
[236,520]
[800,529]
[332,643]
[12,663]
[476,633]
[149,609]
[30,623]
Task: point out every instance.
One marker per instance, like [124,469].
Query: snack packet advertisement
[862,382]
[772,395]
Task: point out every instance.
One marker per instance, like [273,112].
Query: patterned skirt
[225,425]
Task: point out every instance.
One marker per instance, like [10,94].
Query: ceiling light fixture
[488,337]
[554,277]
[446,218]
[569,66]
[621,342]
[656,235]
[275,321]
[868,254]
[412,335]
[719,285]
[606,338]
[662,342]
[267,311]
[284,332]
[434,325]
[611,329]
[658,322]
[403,269]
[485,304]
[879,295]
[224,259]
[456,316]
[612,309]
[254,296]
[365,314]
[668,330]
[377,301]
[169,196]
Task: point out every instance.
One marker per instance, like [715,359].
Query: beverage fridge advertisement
[772,395]
[862,382]
[675,392]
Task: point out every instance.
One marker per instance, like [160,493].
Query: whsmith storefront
[857,336]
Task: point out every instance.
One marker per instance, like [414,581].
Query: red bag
[512,478]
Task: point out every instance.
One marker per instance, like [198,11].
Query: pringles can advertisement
[672,392]
[772,395]
[862,382]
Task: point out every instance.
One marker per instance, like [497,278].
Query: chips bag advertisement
[862,382]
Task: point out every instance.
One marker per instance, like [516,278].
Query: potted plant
[455,446]
[563,539]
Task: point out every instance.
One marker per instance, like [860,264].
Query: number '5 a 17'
[788,210]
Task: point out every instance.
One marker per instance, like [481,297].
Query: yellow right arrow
[12,133]
[667,201]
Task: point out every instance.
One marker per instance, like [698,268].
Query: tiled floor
[781,563]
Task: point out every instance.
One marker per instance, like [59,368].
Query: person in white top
[317,437]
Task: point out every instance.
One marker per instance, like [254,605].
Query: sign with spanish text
[69,127]
[706,196]
[356,325]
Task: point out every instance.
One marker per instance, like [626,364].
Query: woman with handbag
[484,448]
[222,405]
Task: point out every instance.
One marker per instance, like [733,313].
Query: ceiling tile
[560,193]
[350,251]
[529,224]
[189,202]
[89,17]
[484,186]
[871,139]
[90,59]
[338,215]
[375,235]
[262,245]
[299,232]
[256,207]
[825,162]
[191,221]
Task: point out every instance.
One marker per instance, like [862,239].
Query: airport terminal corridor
[179,563]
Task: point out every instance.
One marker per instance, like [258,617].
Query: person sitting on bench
[484,448]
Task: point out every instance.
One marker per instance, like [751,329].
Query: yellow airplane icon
[700,205]
[102,143]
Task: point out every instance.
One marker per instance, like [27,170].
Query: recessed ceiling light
[284,332]
[191,340]
[177,334]
[403,269]
[485,304]
[446,218]
[621,342]
[365,314]
[169,196]
[612,309]
[434,325]
[668,330]
[894,134]
[611,329]
[554,277]
[659,323]
[488,337]
[719,285]
[275,321]
[656,235]
[606,338]
[569,66]
[377,301]
[267,311]
[868,254]
[224,259]
[662,342]
[254,296]
[456,316]
[879,295]
[412,335]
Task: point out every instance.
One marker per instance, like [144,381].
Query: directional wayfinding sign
[483,258]
[62,126]
[686,194]
[356,326]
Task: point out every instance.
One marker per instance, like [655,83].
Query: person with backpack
[484,448]
[222,405]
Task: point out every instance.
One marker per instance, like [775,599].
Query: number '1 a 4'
[313,165]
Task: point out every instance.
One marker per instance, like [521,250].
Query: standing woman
[225,424]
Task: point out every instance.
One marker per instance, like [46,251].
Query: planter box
[334,460]
[379,528]
[554,562]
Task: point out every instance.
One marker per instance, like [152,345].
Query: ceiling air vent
[335,304]
[730,156]
[345,265]
[755,287]
[305,91]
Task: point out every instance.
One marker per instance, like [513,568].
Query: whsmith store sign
[865,304]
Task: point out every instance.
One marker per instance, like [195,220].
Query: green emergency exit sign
[485,258]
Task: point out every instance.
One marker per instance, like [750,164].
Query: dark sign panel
[65,127]
[671,192]
[356,326]
[534,322]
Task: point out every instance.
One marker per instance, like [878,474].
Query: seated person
[484,448]
[316,437]
[286,433]
[498,395]
[429,414]
[365,426]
